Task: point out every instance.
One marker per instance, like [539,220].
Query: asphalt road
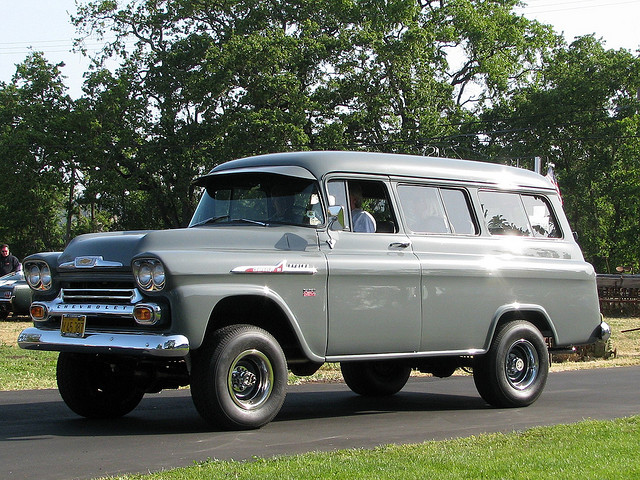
[40,438]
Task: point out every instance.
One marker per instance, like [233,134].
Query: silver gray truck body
[429,295]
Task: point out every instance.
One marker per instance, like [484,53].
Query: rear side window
[520,215]
[458,210]
[436,210]
[543,222]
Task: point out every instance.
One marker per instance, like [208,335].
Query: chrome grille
[101,295]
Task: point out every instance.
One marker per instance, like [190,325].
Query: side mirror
[336,217]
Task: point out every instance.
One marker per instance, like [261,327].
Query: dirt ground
[11,328]
[624,347]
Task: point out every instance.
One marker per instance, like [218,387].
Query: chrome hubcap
[250,379]
[522,364]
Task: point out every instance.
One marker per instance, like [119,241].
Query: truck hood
[118,248]
[113,247]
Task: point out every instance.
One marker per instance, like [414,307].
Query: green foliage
[202,82]
[207,82]
[34,157]
[582,116]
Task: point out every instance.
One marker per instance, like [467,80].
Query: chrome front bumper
[144,344]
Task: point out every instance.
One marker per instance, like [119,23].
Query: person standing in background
[8,263]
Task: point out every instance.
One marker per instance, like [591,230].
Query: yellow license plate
[73,326]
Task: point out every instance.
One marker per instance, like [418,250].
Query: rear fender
[532,313]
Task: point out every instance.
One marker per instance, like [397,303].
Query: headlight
[33,275]
[149,274]
[45,277]
[158,275]
[38,275]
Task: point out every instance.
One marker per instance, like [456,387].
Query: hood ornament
[89,261]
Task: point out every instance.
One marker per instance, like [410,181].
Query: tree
[205,82]
[36,159]
[583,116]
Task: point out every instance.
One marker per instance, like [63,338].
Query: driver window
[366,204]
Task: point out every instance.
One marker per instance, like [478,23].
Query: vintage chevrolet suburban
[383,263]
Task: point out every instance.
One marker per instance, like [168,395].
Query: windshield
[259,198]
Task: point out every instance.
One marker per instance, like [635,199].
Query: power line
[50,46]
[555,6]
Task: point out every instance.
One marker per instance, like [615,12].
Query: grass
[27,369]
[23,369]
[589,449]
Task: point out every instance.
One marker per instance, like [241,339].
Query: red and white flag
[551,176]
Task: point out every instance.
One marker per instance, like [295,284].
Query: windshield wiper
[230,220]
[209,220]
[247,220]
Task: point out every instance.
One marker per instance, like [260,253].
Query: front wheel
[239,378]
[375,378]
[514,371]
[95,387]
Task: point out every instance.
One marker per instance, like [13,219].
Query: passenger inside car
[362,220]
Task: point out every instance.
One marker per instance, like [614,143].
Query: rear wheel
[239,378]
[95,387]
[375,378]
[514,371]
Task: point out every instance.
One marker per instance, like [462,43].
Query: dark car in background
[15,295]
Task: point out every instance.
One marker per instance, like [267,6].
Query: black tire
[375,378]
[94,387]
[514,371]
[239,378]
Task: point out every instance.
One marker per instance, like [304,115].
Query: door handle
[400,245]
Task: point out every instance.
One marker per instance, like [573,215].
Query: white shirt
[363,221]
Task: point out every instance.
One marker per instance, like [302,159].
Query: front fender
[196,303]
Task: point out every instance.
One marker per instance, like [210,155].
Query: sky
[43,25]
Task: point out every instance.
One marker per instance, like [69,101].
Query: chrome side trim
[282,267]
[144,344]
[403,356]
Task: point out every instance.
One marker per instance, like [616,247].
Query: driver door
[373,279]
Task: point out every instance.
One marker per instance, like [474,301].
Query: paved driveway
[40,438]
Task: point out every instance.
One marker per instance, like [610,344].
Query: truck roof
[322,163]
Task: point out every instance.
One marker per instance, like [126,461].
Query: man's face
[5,251]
